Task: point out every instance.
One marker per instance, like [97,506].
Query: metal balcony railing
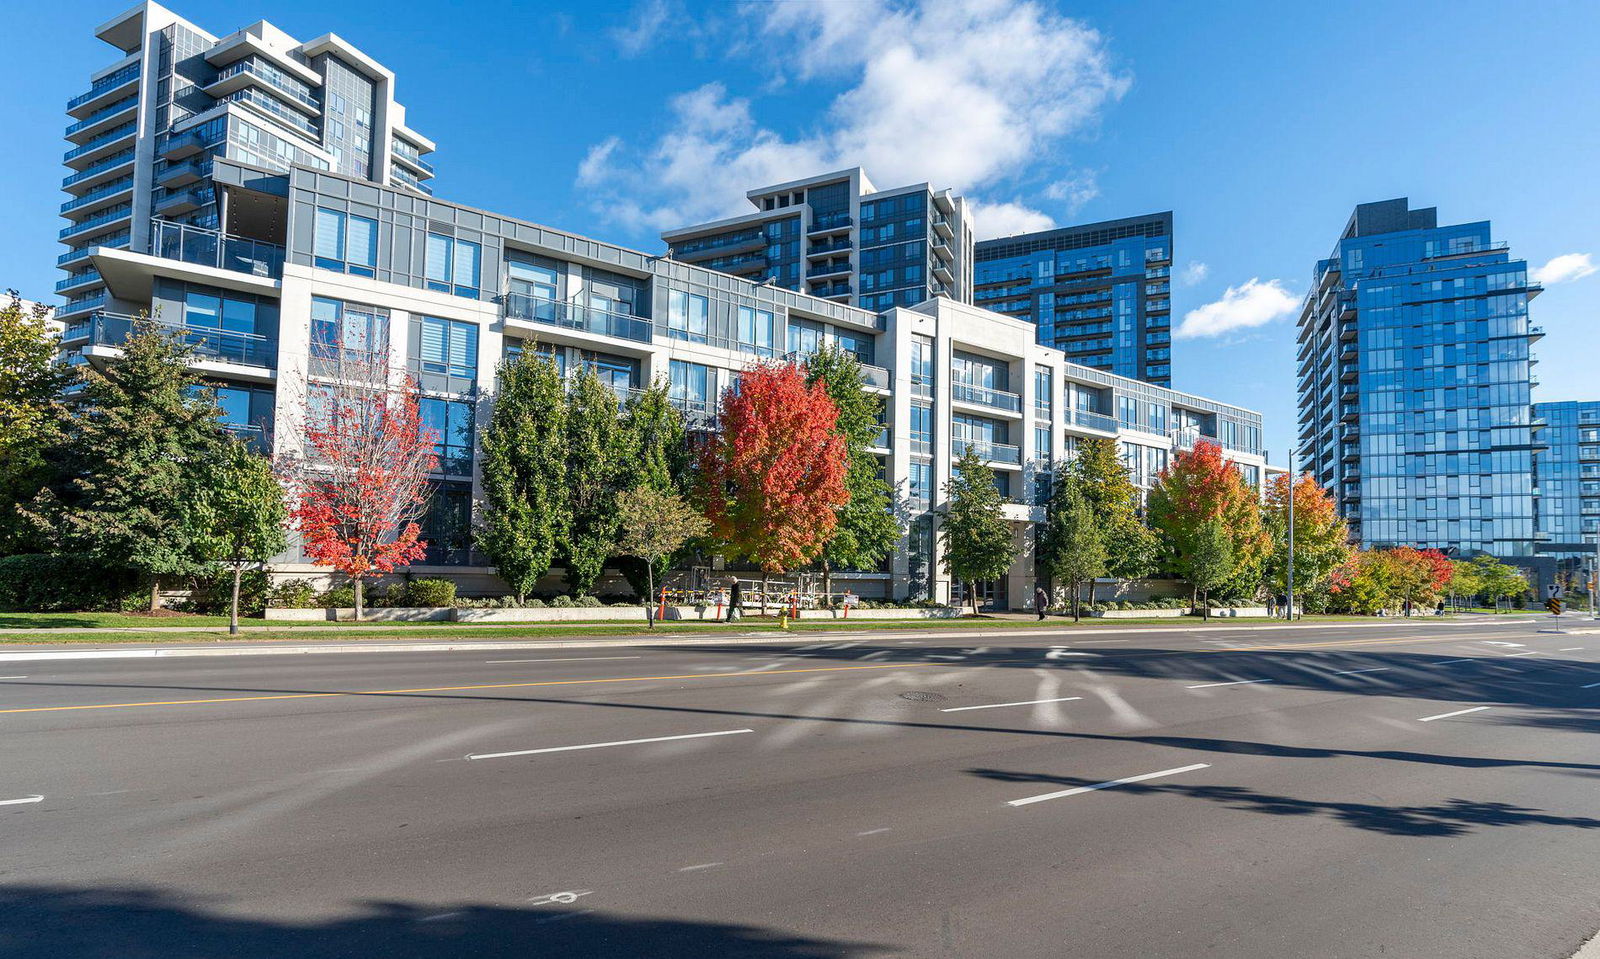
[985,396]
[574,316]
[991,451]
[245,349]
[104,84]
[197,245]
[1094,421]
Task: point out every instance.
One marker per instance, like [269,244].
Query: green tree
[243,509]
[657,459]
[1107,489]
[1211,563]
[1321,538]
[524,472]
[1199,486]
[30,416]
[1497,580]
[654,525]
[978,540]
[868,530]
[1073,548]
[138,455]
[596,448]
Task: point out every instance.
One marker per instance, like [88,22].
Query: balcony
[984,396]
[699,415]
[102,120]
[116,83]
[82,304]
[729,243]
[941,269]
[176,146]
[101,146]
[1089,419]
[836,289]
[829,246]
[76,280]
[184,201]
[572,316]
[836,269]
[941,226]
[182,174]
[411,158]
[98,222]
[92,176]
[235,77]
[202,247]
[829,223]
[989,451]
[100,196]
[82,252]
[225,346]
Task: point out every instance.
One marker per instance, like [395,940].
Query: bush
[563,602]
[430,592]
[42,583]
[292,594]
[340,597]
[212,594]
[589,602]
[533,602]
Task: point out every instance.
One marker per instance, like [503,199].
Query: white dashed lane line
[624,742]
[1236,682]
[1031,702]
[1459,712]
[1107,785]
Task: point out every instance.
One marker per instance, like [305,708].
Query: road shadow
[1453,817]
[58,922]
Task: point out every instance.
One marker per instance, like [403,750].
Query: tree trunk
[358,591]
[233,609]
[827,582]
[649,594]
[155,593]
[1077,607]
[1205,611]
[763,591]
[1091,590]
[972,596]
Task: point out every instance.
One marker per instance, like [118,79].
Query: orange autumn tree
[773,478]
[1202,485]
[1321,538]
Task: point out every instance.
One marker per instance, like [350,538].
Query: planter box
[381,614]
[1241,611]
[578,614]
[1140,614]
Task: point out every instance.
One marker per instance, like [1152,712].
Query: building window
[452,265]
[690,385]
[448,347]
[921,484]
[755,330]
[805,337]
[686,316]
[858,344]
[346,243]
[346,332]
[451,424]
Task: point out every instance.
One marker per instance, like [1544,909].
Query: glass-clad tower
[1414,380]
[142,137]
[1100,292]
[1567,477]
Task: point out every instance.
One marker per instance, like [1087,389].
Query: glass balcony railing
[77,279]
[193,244]
[113,134]
[104,84]
[119,185]
[269,75]
[119,212]
[574,316]
[115,241]
[1094,421]
[984,396]
[228,346]
[411,156]
[111,162]
[993,452]
[102,114]
[829,221]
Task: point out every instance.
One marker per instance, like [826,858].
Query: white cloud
[640,33]
[1195,272]
[990,220]
[1241,308]
[596,165]
[1074,191]
[960,93]
[1564,269]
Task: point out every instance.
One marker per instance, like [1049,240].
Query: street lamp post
[1289,570]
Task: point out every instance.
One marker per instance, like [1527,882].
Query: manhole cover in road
[918,696]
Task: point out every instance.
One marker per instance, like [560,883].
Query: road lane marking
[1459,712]
[1515,655]
[622,742]
[873,832]
[698,867]
[1236,682]
[13,677]
[565,659]
[1107,785]
[1591,685]
[1352,672]
[1449,662]
[1495,642]
[564,898]
[1569,649]
[22,801]
[453,689]
[1031,702]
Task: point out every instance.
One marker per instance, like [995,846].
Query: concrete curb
[761,638]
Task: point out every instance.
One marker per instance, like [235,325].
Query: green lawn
[182,628]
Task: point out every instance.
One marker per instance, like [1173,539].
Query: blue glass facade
[1567,476]
[1415,377]
[1099,292]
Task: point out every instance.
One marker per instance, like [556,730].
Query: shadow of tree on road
[57,922]
[1453,817]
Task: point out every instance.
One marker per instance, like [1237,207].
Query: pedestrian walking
[1041,600]
[735,600]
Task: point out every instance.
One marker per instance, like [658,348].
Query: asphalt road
[1404,790]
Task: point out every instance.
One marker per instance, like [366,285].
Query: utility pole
[1289,570]
[1594,583]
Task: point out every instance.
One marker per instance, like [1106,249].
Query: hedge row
[41,583]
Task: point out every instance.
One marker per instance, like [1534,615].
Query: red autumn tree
[1201,485]
[360,484]
[774,476]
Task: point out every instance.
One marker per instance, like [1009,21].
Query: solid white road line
[571,659]
[1352,672]
[1031,702]
[1569,649]
[700,866]
[19,802]
[1459,712]
[1515,655]
[1236,682]
[1591,685]
[624,742]
[13,677]
[1449,662]
[1107,785]
[873,832]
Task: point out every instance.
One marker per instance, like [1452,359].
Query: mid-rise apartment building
[838,237]
[450,292]
[1100,292]
[1567,481]
[144,135]
[1415,376]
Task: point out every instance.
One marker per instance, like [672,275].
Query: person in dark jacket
[735,599]
[1041,600]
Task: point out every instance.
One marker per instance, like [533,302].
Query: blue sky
[1259,124]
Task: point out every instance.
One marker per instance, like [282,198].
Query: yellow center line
[448,689]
